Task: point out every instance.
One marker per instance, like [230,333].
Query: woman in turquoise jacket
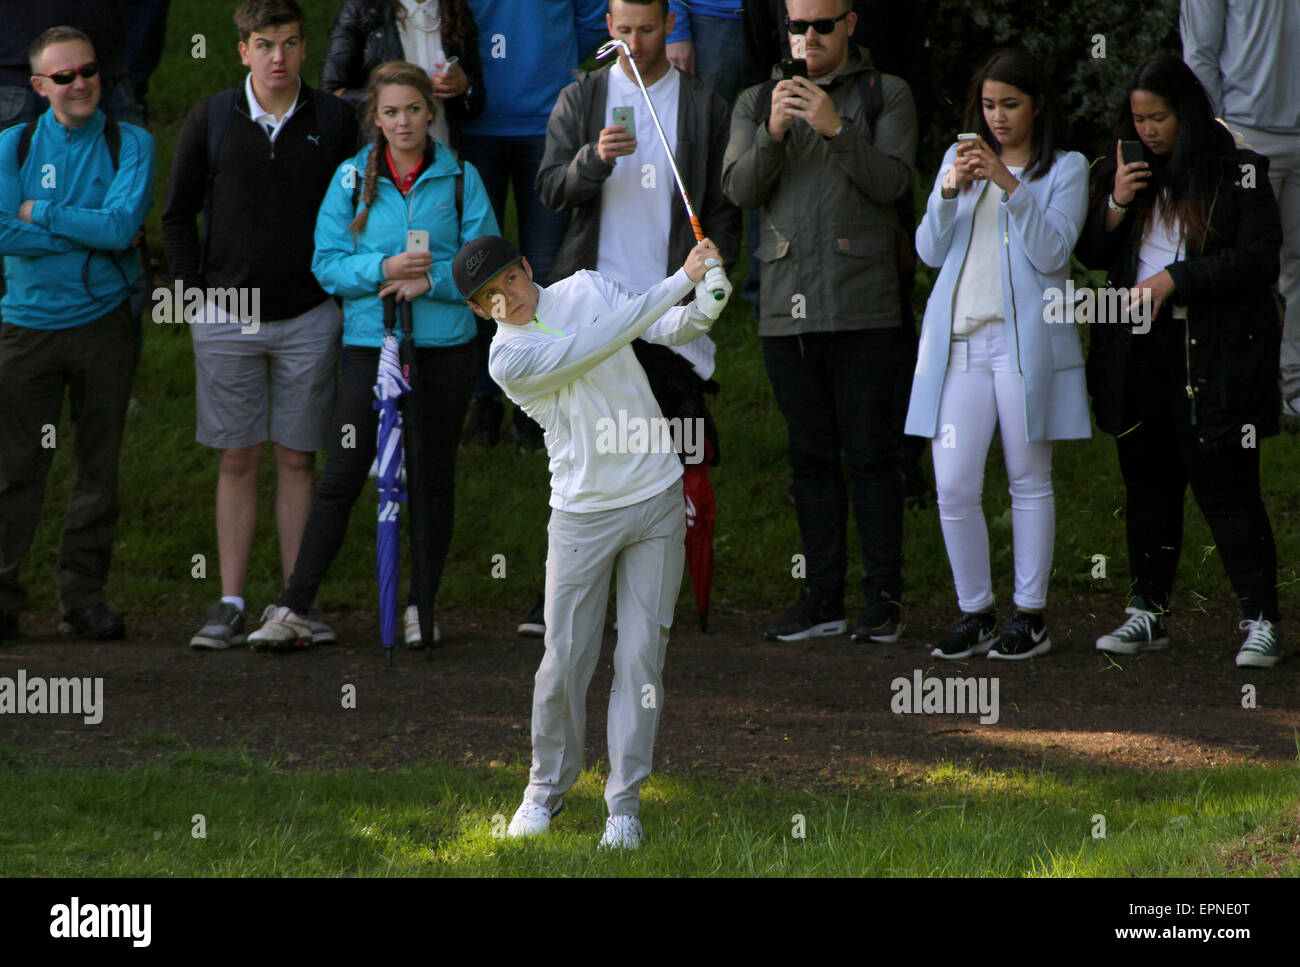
[405,180]
[998,345]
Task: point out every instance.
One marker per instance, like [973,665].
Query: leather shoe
[93,621]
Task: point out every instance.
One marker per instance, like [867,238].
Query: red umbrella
[699,531]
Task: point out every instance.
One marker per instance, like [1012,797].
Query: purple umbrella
[390,386]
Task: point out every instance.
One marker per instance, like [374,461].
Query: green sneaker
[1262,647]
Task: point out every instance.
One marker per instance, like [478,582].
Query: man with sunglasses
[101,20]
[67,213]
[826,180]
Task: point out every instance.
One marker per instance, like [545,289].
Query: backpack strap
[221,114]
[112,137]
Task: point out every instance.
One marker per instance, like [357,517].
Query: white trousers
[983,390]
[1283,153]
[644,547]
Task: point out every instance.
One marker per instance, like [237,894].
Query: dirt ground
[734,705]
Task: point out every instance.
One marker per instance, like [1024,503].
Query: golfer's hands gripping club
[712,287]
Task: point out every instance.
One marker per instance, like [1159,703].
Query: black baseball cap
[479,260]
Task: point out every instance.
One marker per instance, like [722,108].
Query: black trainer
[971,634]
[1023,636]
[223,626]
[93,621]
[881,620]
[811,617]
[483,428]
[534,625]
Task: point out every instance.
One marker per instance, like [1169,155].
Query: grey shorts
[276,383]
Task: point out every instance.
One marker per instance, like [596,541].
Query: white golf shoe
[531,819]
[621,832]
[282,630]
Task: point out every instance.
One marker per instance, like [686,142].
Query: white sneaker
[621,832]
[282,630]
[411,623]
[531,819]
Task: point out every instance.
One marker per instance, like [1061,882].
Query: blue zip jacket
[351,266]
[722,9]
[1038,227]
[529,50]
[83,211]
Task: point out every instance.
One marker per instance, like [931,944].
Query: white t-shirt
[636,220]
[1160,245]
[979,287]
[573,370]
[421,33]
[636,199]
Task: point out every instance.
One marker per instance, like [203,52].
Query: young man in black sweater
[256,161]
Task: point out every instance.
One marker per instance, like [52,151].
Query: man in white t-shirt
[563,354]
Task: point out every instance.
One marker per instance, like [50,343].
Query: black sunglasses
[824,26]
[70,75]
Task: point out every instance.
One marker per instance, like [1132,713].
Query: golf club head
[612,46]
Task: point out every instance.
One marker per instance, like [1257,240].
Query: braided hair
[394,72]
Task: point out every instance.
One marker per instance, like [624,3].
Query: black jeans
[1161,457]
[837,392]
[439,399]
[95,363]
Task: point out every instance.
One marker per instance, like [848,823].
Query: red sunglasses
[70,75]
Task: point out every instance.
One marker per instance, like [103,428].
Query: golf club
[609,48]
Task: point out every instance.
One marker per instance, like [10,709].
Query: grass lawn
[260,819]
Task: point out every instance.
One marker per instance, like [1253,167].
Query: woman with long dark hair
[1005,212]
[408,181]
[437,35]
[1189,391]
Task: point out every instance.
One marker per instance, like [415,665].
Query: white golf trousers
[643,546]
[980,392]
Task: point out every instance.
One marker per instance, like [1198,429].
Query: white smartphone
[967,136]
[417,240]
[446,65]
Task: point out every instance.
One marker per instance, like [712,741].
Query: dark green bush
[1061,34]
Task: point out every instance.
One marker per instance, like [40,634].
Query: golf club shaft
[718,293]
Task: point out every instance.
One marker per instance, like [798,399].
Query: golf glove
[714,281]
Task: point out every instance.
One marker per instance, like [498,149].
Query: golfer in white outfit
[563,353]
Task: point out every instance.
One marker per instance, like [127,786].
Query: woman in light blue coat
[404,181]
[998,347]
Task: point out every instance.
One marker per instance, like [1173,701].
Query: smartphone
[968,136]
[417,240]
[1132,151]
[794,67]
[626,116]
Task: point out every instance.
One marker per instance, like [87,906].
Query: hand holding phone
[626,116]
[417,240]
[1132,172]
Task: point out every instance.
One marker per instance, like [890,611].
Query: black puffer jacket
[1233,334]
[365,35]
